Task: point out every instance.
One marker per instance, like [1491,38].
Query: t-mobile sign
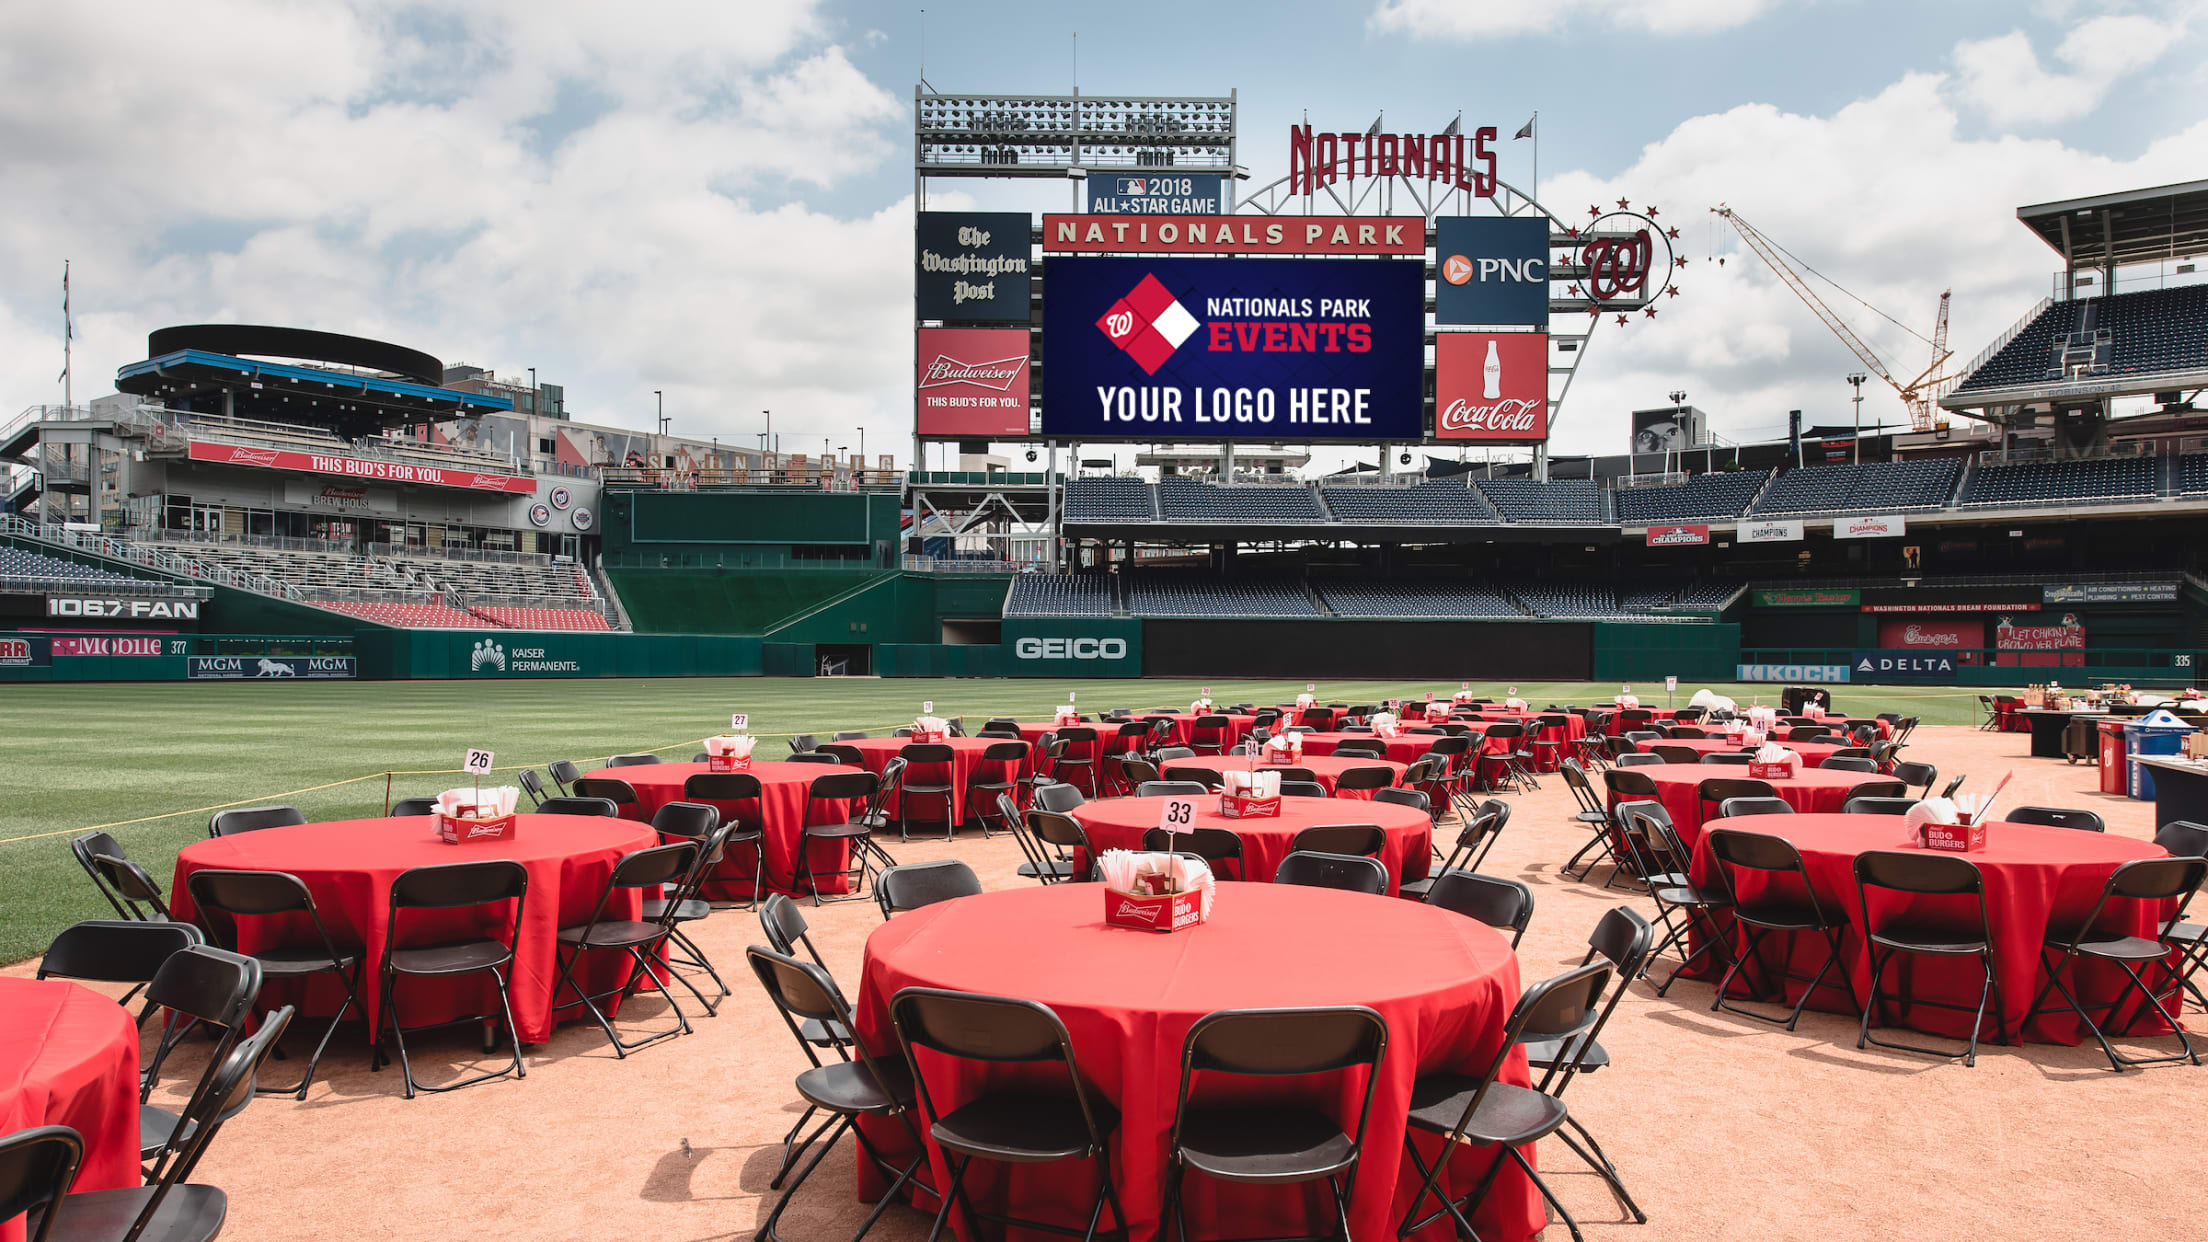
[1491,386]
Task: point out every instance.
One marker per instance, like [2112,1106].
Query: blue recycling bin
[2156,733]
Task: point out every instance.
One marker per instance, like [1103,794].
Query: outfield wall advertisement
[1072,647]
[1283,349]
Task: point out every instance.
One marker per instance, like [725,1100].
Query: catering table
[1326,769]
[781,809]
[2048,727]
[1815,791]
[350,865]
[2036,877]
[1118,824]
[1812,753]
[1406,749]
[965,757]
[2180,788]
[69,1057]
[1443,983]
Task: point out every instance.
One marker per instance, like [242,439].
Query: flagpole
[1536,188]
[68,334]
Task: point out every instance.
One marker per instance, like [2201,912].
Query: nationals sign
[1677,536]
[357,468]
[972,382]
[1207,349]
[1491,387]
[1220,235]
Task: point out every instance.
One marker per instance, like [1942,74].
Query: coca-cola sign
[1491,387]
[972,382]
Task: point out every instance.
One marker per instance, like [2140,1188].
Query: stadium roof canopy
[2136,226]
[350,384]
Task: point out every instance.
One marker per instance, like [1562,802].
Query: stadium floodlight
[1857,379]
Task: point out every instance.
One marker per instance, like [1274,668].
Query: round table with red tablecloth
[1838,726]
[1812,753]
[1407,748]
[966,755]
[349,866]
[1444,985]
[1406,852]
[1325,769]
[2036,878]
[781,809]
[69,1057]
[1814,791]
[1239,725]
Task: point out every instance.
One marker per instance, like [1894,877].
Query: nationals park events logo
[1148,324]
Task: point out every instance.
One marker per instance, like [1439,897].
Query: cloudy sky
[713,198]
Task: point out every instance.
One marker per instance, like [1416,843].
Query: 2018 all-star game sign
[1491,387]
[972,382]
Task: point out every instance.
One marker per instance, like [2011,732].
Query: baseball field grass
[149,762]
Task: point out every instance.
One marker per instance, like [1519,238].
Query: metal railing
[958,565]
[459,552]
[150,557]
[117,585]
[669,479]
[2000,342]
[274,543]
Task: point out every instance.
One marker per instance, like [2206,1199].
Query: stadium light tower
[1857,379]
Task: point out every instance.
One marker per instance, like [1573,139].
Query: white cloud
[1504,18]
[1887,196]
[617,195]
[2002,76]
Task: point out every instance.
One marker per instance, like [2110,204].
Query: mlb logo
[1132,185]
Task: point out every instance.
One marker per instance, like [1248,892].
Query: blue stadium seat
[1873,487]
[1558,502]
[1059,595]
[1716,496]
[1109,499]
[2099,481]
[1432,502]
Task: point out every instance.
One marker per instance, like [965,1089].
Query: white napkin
[732,745]
[1286,745]
[1251,784]
[1624,700]
[1516,705]
[498,801]
[1123,871]
[1385,724]
[931,725]
[1772,752]
[1306,700]
[1970,806]
[1813,710]
[1751,737]
[1929,811]
[1437,710]
[1066,715]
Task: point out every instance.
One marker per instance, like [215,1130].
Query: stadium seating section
[1705,497]
[2103,480]
[1561,502]
[1435,502]
[1109,499]
[1184,500]
[1873,487]
[2152,331]
[423,592]
[1195,593]
[1059,595]
[1419,599]
[24,563]
[2192,474]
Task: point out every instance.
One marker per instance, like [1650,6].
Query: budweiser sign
[957,397]
[1491,386]
[357,468]
[1677,536]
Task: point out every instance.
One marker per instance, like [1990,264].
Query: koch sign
[358,468]
[1491,270]
[972,382]
[1792,674]
[1144,194]
[1212,349]
[1491,387]
[275,668]
[1902,666]
[972,265]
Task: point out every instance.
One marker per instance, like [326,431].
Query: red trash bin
[2114,769]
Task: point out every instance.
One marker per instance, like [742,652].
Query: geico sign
[1071,649]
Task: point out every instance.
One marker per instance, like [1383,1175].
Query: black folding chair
[1273,1144]
[447,887]
[786,930]
[1923,775]
[996,772]
[1473,842]
[201,984]
[1492,900]
[2163,884]
[732,789]
[128,886]
[1847,763]
[1460,1109]
[91,847]
[1732,808]
[1351,873]
[1789,905]
[681,902]
[1364,840]
[580,806]
[840,1091]
[1922,874]
[839,790]
[2185,839]
[1059,836]
[564,773]
[909,886]
[1023,1125]
[1877,806]
[1079,756]
[930,773]
[116,951]
[1623,939]
[646,869]
[224,897]
[252,819]
[633,760]
[2056,817]
[1215,846]
[613,789]
[1713,791]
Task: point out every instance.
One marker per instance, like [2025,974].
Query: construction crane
[1916,393]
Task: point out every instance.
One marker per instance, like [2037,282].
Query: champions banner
[1271,349]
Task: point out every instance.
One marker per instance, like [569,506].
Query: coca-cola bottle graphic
[1493,388]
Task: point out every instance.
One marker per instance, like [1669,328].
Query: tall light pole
[536,406]
[1857,379]
[862,448]
[1678,407]
[661,398]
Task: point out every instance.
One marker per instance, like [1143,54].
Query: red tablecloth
[1839,725]
[965,757]
[1443,983]
[782,801]
[1118,824]
[1815,791]
[1407,749]
[2036,877]
[1326,769]
[1238,724]
[349,867]
[1811,752]
[69,1057]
